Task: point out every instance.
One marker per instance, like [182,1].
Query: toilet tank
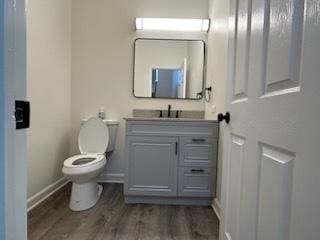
[113,127]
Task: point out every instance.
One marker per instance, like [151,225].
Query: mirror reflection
[168,68]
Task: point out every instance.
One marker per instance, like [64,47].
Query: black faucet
[169,110]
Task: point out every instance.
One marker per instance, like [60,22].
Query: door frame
[13,211]
[2,124]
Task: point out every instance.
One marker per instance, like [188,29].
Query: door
[14,166]
[271,179]
[152,166]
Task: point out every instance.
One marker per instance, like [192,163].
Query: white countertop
[164,119]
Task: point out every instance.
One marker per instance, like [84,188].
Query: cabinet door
[196,182]
[152,166]
[198,151]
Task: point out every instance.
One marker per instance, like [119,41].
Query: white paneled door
[271,168]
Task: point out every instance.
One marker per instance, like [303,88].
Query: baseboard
[45,193]
[168,200]
[216,206]
[112,178]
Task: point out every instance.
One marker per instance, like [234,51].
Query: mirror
[165,68]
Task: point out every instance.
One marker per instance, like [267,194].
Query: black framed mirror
[168,68]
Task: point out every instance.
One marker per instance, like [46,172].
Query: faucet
[178,113]
[169,111]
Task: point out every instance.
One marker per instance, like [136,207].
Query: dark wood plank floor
[112,219]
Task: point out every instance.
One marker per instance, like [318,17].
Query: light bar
[173,24]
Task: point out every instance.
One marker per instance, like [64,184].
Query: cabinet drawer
[172,128]
[198,151]
[196,182]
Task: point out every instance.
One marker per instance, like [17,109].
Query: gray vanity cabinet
[153,166]
[170,161]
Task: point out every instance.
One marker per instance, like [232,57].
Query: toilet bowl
[84,169]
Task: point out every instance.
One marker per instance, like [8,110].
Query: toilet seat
[96,159]
[93,141]
[70,169]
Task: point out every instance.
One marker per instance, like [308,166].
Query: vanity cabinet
[170,161]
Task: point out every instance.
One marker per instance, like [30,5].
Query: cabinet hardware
[197,170]
[198,140]
[176,150]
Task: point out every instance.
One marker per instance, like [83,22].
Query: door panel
[282,35]
[267,189]
[275,193]
[233,200]
[243,20]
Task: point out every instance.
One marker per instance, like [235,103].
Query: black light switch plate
[22,114]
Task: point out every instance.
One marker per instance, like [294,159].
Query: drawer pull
[198,140]
[176,148]
[197,170]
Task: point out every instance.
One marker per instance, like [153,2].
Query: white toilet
[96,139]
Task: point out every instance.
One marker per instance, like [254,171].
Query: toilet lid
[93,137]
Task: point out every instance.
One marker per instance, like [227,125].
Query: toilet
[96,141]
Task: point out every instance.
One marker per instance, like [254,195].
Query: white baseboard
[112,178]
[216,206]
[45,193]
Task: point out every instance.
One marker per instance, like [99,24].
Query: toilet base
[84,195]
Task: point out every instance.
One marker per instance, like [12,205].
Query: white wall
[48,87]
[155,54]
[103,34]
[217,66]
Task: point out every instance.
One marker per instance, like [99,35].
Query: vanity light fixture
[173,24]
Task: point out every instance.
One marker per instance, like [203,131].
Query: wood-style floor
[112,219]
